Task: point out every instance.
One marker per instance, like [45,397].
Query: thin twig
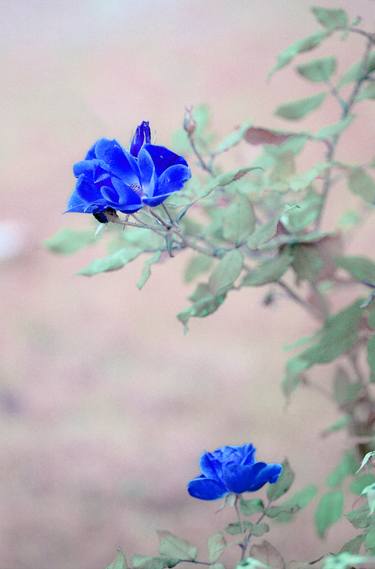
[294,296]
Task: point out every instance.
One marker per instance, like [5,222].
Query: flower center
[137,188]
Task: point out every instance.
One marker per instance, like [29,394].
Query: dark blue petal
[248,454]
[147,172]
[209,466]
[91,153]
[117,161]
[163,158]
[141,136]
[87,191]
[76,204]
[206,489]
[85,167]
[172,180]
[269,473]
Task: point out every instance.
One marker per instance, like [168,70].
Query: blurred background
[105,406]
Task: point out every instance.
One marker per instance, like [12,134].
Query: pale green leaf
[354,545]
[300,46]
[361,268]
[216,546]
[369,492]
[331,18]
[262,234]
[369,456]
[176,548]
[112,262]
[334,129]
[298,501]
[329,511]
[269,271]
[318,70]
[226,272]
[267,553]
[204,304]
[346,467]
[119,562]
[233,139]
[198,265]
[68,241]
[252,506]
[298,109]
[343,561]
[148,562]
[238,220]
[367,92]
[371,354]
[146,272]
[362,483]
[357,71]
[281,487]
[251,563]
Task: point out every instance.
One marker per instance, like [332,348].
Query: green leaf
[260,529]
[361,483]
[369,492]
[367,92]
[338,425]
[361,268]
[197,266]
[300,500]
[233,139]
[216,546]
[237,528]
[307,263]
[205,303]
[269,271]
[329,511]
[357,71]
[371,317]
[119,562]
[359,518]
[334,129]
[343,561]
[112,262]
[175,547]
[331,18]
[300,46]
[281,487]
[262,234]
[226,272]
[346,467]
[68,241]
[318,70]
[344,390]
[148,562]
[226,179]
[252,506]
[146,272]
[238,220]
[371,354]
[354,545]
[338,335]
[370,540]
[302,214]
[296,110]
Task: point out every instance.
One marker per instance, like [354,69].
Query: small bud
[189,122]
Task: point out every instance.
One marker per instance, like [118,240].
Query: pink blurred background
[105,406]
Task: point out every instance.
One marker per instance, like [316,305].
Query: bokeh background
[105,405]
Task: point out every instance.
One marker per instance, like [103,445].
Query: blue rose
[111,178]
[231,469]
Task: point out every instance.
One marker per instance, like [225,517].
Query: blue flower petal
[117,161]
[172,180]
[128,200]
[206,488]
[76,204]
[141,136]
[87,191]
[269,473]
[147,172]
[163,158]
[210,467]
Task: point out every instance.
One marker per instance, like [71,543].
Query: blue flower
[112,178]
[231,469]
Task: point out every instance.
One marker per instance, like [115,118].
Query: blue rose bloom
[231,469]
[112,178]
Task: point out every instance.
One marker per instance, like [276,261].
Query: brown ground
[105,405]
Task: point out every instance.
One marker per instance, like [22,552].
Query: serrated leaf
[300,46]
[226,272]
[329,511]
[281,487]
[269,271]
[300,500]
[318,70]
[238,220]
[331,18]
[119,562]
[216,546]
[68,241]
[175,547]
[112,262]
[362,184]
[268,554]
[361,268]
[252,506]
[296,110]
[334,129]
